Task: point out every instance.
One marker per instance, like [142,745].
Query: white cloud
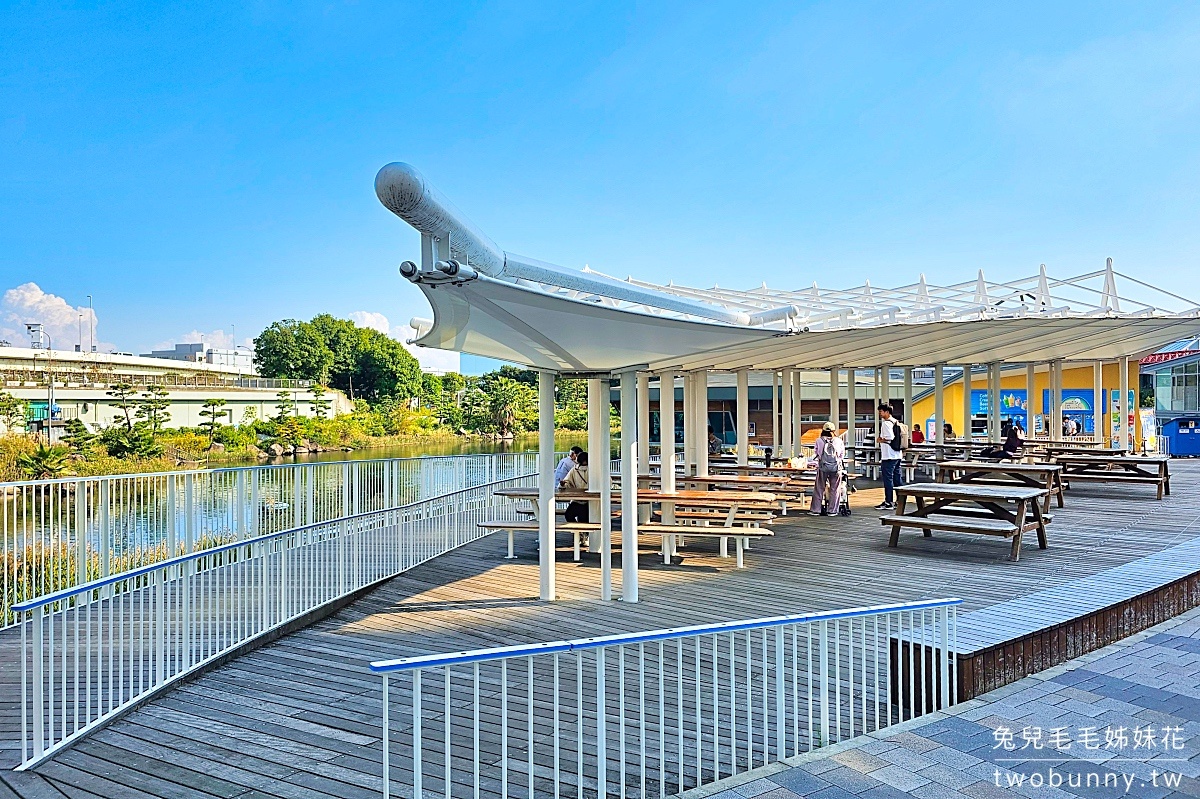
[431,360]
[63,322]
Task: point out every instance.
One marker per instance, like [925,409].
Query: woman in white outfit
[831,461]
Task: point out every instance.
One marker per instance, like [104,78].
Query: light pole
[36,329]
[91,326]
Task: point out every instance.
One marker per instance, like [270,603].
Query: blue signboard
[1014,405]
[1077,403]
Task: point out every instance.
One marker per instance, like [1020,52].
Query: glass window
[1191,401]
[1162,391]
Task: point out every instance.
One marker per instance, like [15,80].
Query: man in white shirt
[565,466]
[890,459]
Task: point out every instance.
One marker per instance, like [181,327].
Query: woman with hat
[831,462]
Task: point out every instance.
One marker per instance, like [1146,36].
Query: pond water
[439,446]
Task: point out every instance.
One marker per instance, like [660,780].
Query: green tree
[137,442]
[285,405]
[510,405]
[45,462]
[212,411]
[12,411]
[77,436]
[292,349]
[124,394]
[319,404]
[152,409]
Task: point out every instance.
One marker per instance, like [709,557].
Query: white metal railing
[656,713]
[92,651]
[55,534]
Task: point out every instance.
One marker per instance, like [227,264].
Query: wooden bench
[1036,475]
[670,533]
[1117,469]
[968,508]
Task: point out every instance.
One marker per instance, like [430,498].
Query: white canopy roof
[489,302]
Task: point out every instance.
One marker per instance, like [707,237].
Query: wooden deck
[300,717]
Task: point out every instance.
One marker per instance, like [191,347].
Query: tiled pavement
[1123,721]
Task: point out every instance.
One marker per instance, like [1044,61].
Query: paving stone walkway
[1122,721]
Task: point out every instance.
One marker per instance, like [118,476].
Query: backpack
[900,437]
[828,461]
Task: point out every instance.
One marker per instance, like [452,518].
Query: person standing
[830,451]
[890,457]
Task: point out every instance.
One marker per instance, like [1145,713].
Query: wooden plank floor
[300,718]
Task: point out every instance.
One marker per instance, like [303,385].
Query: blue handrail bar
[112,579]
[549,648]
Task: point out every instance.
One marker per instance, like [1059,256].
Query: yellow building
[1078,389]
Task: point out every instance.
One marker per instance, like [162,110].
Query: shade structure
[545,316]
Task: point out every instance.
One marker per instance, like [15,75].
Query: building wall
[1074,377]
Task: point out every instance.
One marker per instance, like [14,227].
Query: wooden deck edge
[996,666]
[270,636]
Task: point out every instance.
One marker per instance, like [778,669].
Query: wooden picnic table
[1036,475]
[1055,450]
[1150,469]
[970,508]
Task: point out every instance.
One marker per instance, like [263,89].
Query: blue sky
[198,168]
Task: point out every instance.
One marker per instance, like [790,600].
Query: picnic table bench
[969,508]
[1037,475]
[1148,469]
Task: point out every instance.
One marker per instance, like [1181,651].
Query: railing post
[387,755]
[239,521]
[297,496]
[416,706]
[780,698]
[189,512]
[602,728]
[172,526]
[345,490]
[946,654]
[105,531]
[81,528]
[255,504]
[39,678]
[159,584]
[358,487]
[823,681]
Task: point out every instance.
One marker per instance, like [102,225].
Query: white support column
[885,384]
[1056,400]
[688,423]
[597,428]
[1098,400]
[785,422]
[702,424]
[546,587]
[1030,405]
[966,402]
[775,423]
[908,397]
[629,473]
[1124,407]
[994,401]
[602,467]
[797,416]
[742,422]
[835,400]
[939,404]
[643,411]
[666,428]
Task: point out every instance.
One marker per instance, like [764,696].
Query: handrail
[67,593]
[231,469]
[525,650]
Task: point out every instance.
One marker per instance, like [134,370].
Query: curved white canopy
[545,316]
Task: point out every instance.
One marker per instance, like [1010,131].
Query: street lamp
[91,325]
[37,334]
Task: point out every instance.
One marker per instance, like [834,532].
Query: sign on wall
[1119,410]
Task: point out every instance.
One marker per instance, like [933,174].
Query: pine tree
[213,409]
[285,405]
[152,409]
[319,404]
[77,437]
[124,394]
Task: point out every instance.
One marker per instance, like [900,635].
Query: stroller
[843,497]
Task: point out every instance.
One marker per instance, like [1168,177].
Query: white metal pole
[1030,405]
[702,423]
[775,424]
[1125,408]
[1056,400]
[835,400]
[546,484]
[689,424]
[602,467]
[785,422]
[939,404]
[966,402]
[885,384]
[1098,400]
[629,517]
[743,417]
[598,457]
[666,429]
[994,401]
[909,418]
[643,411]
[797,415]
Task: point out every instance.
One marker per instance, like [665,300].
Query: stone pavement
[1122,721]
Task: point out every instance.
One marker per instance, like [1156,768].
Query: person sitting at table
[917,436]
[714,443]
[1007,451]
[565,466]
[831,463]
[577,480]
[947,431]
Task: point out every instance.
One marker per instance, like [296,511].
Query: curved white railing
[55,534]
[92,651]
[656,713]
